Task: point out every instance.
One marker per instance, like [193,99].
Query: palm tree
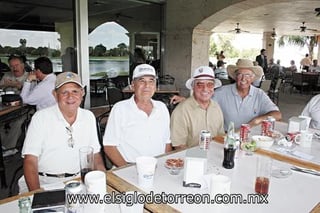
[301,41]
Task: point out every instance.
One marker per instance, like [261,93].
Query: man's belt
[62,175]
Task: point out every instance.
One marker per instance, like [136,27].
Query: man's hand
[176,99]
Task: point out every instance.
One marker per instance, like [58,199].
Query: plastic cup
[263,174]
[146,169]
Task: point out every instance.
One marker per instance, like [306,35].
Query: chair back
[113,95]
[265,85]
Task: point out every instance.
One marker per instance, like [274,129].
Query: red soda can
[265,128]
[244,133]
[204,139]
[273,122]
[291,135]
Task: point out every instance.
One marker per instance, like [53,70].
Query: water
[98,65]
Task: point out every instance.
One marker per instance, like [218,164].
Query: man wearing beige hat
[54,136]
[139,126]
[198,112]
[241,102]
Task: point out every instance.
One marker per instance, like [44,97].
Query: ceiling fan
[237,30]
[304,28]
[273,34]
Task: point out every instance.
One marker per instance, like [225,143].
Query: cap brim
[217,82]
[71,81]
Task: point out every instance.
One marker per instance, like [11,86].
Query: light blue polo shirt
[239,110]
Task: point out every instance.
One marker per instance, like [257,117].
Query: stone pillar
[268,44]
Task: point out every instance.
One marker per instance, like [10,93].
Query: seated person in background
[13,81]
[312,109]
[54,136]
[293,67]
[220,72]
[314,67]
[198,112]
[140,125]
[41,94]
[241,102]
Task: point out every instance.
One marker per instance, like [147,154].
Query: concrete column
[268,44]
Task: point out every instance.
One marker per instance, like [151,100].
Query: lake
[111,66]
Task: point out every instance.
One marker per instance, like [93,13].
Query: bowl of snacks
[249,147]
[174,165]
[263,141]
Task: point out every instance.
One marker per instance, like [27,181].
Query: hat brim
[71,81]
[257,70]
[217,82]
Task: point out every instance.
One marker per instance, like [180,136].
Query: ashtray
[174,165]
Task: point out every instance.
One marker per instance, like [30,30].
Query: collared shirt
[10,76]
[242,111]
[314,68]
[134,132]
[188,119]
[40,95]
[47,138]
[312,109]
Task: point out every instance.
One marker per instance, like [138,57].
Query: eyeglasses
[244,75]
[70,140]
[143,81]
[202,85]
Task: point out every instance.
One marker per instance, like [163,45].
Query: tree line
[99,50]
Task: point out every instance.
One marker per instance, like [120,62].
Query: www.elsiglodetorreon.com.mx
[164,198]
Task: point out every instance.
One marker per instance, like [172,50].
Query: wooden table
[295,193]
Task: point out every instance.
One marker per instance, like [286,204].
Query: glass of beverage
[86,160]
[263,174]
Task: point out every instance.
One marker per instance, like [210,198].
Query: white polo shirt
[134,132]
[47,138]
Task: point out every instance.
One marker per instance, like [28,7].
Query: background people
[306,63]
[198,112]
[13,81]
[41,94]
[262,60]
[54,136]
[140,125]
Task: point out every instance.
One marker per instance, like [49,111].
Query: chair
[113,95]
[101,121]
[298,82]
[274,93]
[265,85]
[84,97]
[287,81]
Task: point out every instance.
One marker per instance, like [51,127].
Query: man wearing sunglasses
[198,112]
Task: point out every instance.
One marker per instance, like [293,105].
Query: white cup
[146,168]
[95,182]
[304,138]
[306,124]
[219,184]
[129,206]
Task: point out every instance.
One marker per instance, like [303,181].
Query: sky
[101,35]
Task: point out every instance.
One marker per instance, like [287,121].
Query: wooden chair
[274,93]
[298,82]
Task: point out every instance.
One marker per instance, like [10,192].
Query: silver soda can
[204,139]
[273,122]
[73,190]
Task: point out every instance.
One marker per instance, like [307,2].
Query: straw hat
[203,72]
[245,64]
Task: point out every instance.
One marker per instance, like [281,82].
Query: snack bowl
[174,165]
[263,141]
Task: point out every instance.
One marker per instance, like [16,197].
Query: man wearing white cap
[54,136]
[241,102]
[139,126]
[198,112]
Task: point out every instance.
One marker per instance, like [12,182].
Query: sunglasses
[70,140]
[202,85]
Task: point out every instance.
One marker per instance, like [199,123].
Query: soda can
[265,128]
[244,133]
[73,188]
[204,139]
[291,136]
[273,122]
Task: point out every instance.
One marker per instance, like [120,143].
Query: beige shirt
[188,119]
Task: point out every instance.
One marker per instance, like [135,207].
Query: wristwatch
[27,80]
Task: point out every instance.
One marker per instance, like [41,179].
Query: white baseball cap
[203,72]
[142,70]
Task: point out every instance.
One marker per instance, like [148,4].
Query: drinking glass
[86,160]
